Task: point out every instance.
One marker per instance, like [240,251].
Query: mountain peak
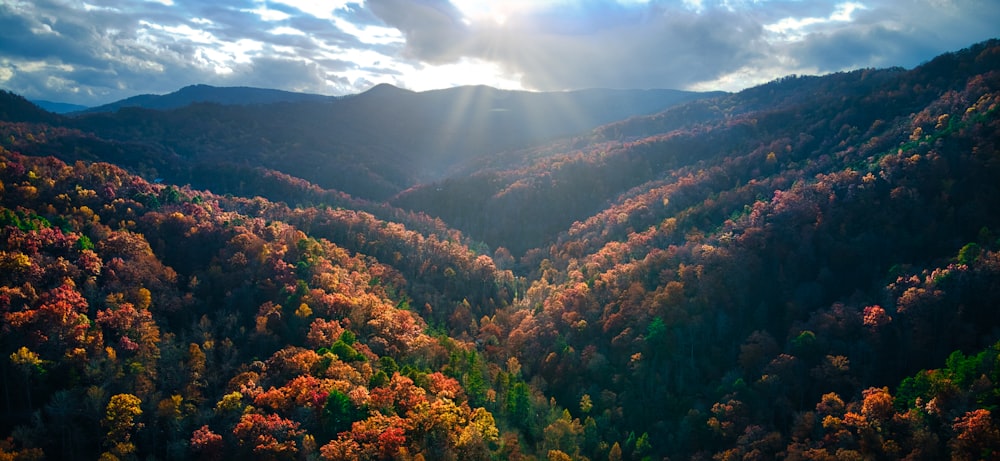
[387,89]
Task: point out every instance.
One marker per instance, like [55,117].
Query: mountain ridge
[370,145]
[58,107]
[203,93]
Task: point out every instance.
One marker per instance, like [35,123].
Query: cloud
[101,50]
[432,28]
[296,75]
[664,48]
[887,33]
[731,44]
[94,53]
[596,44]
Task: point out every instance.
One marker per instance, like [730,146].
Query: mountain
[372,145]
[807,269]
[58,107]
[237,96]
[15,108]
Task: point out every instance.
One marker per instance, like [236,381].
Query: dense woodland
[808,269]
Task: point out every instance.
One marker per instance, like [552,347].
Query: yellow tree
[29,364]
[120,421]
[616,453]
[564,434]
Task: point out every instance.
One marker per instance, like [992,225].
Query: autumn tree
[121,422]
[977,436]
[268,436]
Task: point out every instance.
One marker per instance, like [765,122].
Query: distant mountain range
[58,107]
[235,96]
[192,94]
[614,104]
[372,145]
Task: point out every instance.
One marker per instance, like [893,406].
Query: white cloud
[5,72]
[95,51]
[844,11]
[694,5]
[285,30]
[792,28]
[320,9]
[267,14]
[467,71]
[373,35]
[182,31]
[90,7]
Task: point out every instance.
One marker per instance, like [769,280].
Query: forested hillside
[808,269]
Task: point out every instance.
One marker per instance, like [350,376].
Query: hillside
[550,187]
[807,269]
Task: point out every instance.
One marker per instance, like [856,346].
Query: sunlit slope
[522,200]
[804,256]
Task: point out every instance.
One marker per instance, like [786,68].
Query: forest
[807,269]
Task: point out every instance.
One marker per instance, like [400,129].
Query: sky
[98,51]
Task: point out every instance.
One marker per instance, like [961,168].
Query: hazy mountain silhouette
[371,145]
[58,107]
[236,95]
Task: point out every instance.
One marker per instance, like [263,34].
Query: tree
[616,452]
[59,322]
[519,405]
[268,436]
[121,422]
[338,412]
[207,444]
[564,434]
[196,369]
[557,455]
[977,436]
[476,437]
[877,405]
[29,364]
